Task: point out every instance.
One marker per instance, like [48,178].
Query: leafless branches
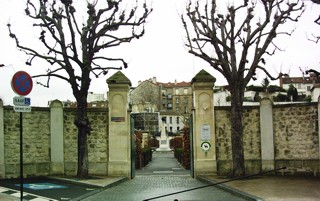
[217,38]
[75,46]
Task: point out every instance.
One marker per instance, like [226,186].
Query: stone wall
[37,156]
[292,141]
[36,140]
[252,141]
[296,138]
[97,141]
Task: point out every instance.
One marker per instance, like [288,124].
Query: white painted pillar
[2,161]
[56,131]
[267,140]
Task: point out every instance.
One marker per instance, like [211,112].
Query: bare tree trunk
[83,126]
[237,133]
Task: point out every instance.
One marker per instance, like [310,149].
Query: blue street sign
[21,101]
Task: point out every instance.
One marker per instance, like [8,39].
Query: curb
[229,189]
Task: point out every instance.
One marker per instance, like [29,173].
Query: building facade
[172,100]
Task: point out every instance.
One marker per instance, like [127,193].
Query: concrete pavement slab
[276,188]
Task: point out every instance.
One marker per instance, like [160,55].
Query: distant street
[162,176]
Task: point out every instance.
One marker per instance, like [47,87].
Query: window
[177,91]
[170,120]
[169,106]
[164,119]
[185,100]
[299,86]
[177,100]
[178,128]
[309,88]
[178,120]
[170,128]
[185,91]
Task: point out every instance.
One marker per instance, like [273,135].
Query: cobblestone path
[163,176]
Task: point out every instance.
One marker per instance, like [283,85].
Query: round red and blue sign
[21,83]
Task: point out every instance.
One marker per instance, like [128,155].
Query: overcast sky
[160,53]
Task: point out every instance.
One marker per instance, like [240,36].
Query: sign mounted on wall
[21,83]
[205,132]
[205,146]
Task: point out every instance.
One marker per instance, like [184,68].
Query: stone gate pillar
[119,125]
[203,124]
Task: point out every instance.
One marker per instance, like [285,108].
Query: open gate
[133,148]
[191,146]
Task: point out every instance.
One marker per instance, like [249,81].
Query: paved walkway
[276,188]
[163,163]
[161,177]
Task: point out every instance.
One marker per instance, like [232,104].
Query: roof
[176,84]
[297,80]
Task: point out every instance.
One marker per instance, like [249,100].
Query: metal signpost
[21,84]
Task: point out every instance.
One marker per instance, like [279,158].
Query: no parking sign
[21,83]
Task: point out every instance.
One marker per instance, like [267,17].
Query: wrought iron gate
[133,148]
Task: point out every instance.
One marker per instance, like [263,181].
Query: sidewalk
[274,188]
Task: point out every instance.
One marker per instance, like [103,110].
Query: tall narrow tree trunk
[237,134]
[83,126]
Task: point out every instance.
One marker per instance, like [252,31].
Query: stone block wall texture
[296,136]
[251,139]
[36,142]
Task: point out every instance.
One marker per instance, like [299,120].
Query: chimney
[139,82]
[154,80]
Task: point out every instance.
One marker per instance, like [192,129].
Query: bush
[178,154]
[187,148]
[143,155]
[176,143]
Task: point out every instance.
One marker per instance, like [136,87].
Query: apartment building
[172,100]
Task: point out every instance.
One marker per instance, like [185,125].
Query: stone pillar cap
[118,78]
[203,76]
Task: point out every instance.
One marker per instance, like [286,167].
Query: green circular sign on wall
[205,146]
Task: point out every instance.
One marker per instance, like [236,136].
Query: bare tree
[315,39]
[236,44]
[74,48]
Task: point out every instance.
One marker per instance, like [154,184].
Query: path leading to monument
[163,163]
[163,180]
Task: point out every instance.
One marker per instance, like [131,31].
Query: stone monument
[164,140]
